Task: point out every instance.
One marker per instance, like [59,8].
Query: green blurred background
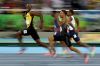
[89,21]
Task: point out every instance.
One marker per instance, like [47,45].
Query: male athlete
[74,32]
[57,29]
[30,30]
[60,35]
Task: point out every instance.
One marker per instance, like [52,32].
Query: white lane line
[56,64]
[45,60]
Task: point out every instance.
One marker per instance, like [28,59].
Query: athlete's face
[69,13]
[28,6]
[56,15]
[62,14]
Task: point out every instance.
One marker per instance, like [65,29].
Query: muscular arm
[77,23]
[69,22]
[39,14]
[61,22]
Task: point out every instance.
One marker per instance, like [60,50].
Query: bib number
[25,31]
[75,35]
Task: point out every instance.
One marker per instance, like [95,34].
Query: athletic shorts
[63,38]
[31,32]
[74,35]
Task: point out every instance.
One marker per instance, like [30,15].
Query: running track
[34,56]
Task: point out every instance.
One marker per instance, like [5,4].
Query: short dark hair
[54,12]
[72,11]
[65,12]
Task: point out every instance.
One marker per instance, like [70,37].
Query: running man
[60,35]
[74,32]
[57,28]
[30,30]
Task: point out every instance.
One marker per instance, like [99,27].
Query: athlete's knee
[18,33]
[71,48]
[38,41]
[79,43]
[62,42]
[51,38]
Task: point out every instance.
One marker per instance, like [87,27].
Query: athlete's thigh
[34,34]
[51,38]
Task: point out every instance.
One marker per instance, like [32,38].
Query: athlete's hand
[77,31]
[41,26]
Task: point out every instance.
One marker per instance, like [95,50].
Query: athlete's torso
[72,22]
[29,19]
[57,28]
[61,29]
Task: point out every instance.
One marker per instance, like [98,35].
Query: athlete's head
[29,7]
[55,14]
[70,12]
[63,13]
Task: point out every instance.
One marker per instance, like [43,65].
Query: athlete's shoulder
[36,13]
[72,17]
[76,18]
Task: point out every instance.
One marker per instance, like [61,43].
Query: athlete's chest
[28,15]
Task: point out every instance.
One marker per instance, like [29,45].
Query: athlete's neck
[28,10]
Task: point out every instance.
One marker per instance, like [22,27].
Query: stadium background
[11,21]
[88,12]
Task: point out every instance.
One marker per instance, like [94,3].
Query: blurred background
[11,21]
[89,21]
[54,4]
[87,11]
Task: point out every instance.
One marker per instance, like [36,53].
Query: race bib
[25,31]
[75,35]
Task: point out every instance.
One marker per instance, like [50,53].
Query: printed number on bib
[75,35]
[25,31]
